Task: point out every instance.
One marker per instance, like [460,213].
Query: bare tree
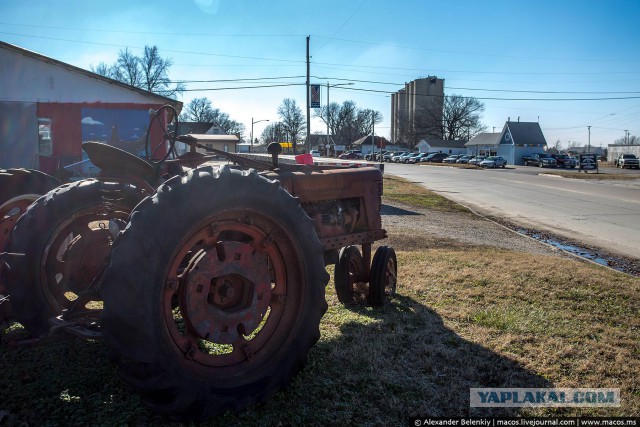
[631,140]
[461,117]
[460,120]
[197,110]
[149,72]
[155,71]
[201,110]
[348,122]
[274,132]
[293,120]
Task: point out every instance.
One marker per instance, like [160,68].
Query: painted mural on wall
[124,129]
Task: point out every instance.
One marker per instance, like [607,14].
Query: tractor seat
[109,158]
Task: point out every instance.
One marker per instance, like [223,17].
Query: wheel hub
[84,258]
[227,290]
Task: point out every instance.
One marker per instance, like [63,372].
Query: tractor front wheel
[214,293]
[350,282]
[384,276]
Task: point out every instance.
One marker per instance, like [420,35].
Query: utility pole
[626,136]
[328,123]
[308,145]
[589,141]
[373,136]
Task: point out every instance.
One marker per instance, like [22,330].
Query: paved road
[601,213]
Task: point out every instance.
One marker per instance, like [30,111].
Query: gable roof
[486,138]
[68,67]
[193,127]
[366,140]
[525,133]
[444,143]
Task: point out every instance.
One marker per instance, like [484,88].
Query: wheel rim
[358,288]
[390,277]
[10,212]
[76,253]
[228,290]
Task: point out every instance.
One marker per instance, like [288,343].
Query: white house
[441,146]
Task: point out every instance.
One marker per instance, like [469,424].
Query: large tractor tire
[214,293]
[18,189]
[62,242]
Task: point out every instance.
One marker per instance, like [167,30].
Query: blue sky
[572,56]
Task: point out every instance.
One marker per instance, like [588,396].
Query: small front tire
[384,276]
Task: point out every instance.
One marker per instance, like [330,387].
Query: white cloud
[90,121]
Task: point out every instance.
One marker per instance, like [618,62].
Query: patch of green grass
[402,191]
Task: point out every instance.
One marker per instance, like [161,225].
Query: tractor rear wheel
[63,241]
[214,293]
[18,189]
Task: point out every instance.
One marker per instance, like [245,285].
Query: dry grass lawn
[465,316]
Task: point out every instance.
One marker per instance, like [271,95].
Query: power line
[352,67]
[328,38]
[540,73]
[160,33]
[506,99]
[480,89]
[164,50]
[235,80]
[395,46]
[243,87]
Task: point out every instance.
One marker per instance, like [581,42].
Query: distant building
[614,150]
[49,108]
[519,139]
[484,144]
[441,146]
[205,128]
[421,100]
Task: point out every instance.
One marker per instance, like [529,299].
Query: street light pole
[252,123]
[589,140]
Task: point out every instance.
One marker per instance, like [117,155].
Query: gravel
[413,228]
[457,228]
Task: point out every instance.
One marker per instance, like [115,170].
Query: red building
[49,108]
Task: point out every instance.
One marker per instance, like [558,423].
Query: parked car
[565,161]
[396,157]
[539,159]
[627,161]
[465,159]
[404,159]
[386,157]
[417,157]
[493,162]
[377,156]
[452,158]
[350,155]
[476,160]
[435,157]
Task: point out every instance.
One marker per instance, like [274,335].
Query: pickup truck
[565,161]
[540,160]
[627,161]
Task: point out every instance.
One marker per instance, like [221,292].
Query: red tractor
[208,282]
